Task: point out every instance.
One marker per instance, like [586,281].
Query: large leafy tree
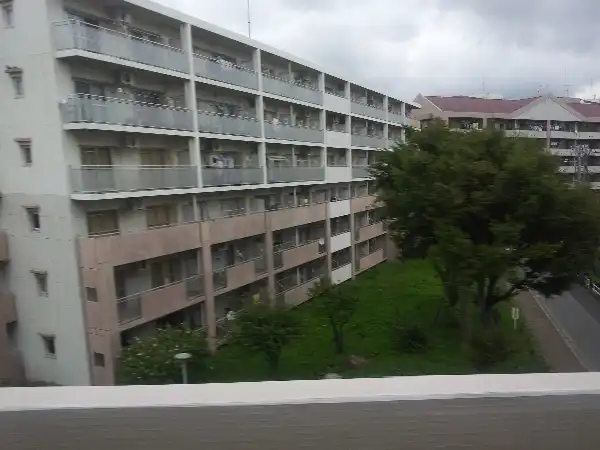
[490,211]
[267,330]
[338,304]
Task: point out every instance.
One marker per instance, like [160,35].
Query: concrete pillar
[209,299]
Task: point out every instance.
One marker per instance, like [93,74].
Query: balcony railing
[395,117]
[366,110]
[84,108]
[293,133]
[224,71]
[360,172]
[98,179]
[77,35]
[129,308]
[291,174]
[363,140]
[290,89]
[212,176]
[209,122]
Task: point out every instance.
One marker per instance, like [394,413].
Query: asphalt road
[576,313]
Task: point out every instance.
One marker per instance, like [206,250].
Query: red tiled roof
[479,105]
[585,109]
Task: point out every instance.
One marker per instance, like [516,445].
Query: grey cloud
[510,47]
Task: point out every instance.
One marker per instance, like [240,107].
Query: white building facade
[158,170]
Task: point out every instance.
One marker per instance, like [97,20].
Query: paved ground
[576,315]
[552,344]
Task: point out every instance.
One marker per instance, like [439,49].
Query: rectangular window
[159,216]
[41,282]
[49,343]
[25,148]
[7,13]
[99,360]
[91,294]
[102,222]
[33,215]
[17,83]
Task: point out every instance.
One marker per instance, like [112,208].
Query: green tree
[338,304]
[267,330]
[151,360]
[490,211]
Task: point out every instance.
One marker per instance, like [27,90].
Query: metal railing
[194,287]
[209,122]
[293,133]
[591,285]
[360,172]
[366,110]
[129,308]
[295,173]
[212,176]
[77,35]
[219,279]
[98,179]
[396,118]
[290,89]
[225,71]
[85,108]
[363,140]
[260,265]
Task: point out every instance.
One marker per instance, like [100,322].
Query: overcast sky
[448,47]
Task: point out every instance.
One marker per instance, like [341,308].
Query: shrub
[409,337]
[488,348]
[151,360]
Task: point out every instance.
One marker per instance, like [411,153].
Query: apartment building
[559,123]
[156,170]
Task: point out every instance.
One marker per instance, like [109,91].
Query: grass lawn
[410,289]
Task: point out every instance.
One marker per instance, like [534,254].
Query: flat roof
[182,17]
[300,391]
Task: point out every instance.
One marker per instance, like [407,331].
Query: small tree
[266,330]
[338,305]
[151,360]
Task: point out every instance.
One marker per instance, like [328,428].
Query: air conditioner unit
[126,78]
[131,141]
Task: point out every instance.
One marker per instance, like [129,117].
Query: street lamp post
[183,359]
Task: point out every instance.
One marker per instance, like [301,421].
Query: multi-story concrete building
[156,169]
[560,124]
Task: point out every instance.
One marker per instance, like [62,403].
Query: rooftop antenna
[249,20]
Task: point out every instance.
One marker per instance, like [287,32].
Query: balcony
[293,217]
[366,110]
[102,179]
[293,133]
[159,302]
[359,204]
[3,246]
[234,176]
[93,109]
[76,35]
[224,71]
[301,254]
[363,140]
[209,122]
[292,174]
[231,228]
[360,172]
[396,118]
[298,294]
[370,261]
[340,241]
[8,308]
[127,248]
[289,89]
[241,274]
[369,231]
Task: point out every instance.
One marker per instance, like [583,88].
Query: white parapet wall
[491,412]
